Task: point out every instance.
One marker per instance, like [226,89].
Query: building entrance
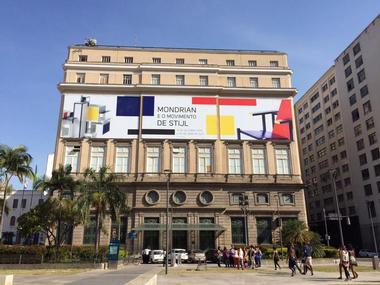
[180,239]
[206,240]
[151,239]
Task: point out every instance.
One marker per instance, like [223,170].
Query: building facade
[338,122]
[211,128]
[18,203]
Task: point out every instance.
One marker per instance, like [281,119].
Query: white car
[184,255]
[156,256]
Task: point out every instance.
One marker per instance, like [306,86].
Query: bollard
[375,262]
[20,259]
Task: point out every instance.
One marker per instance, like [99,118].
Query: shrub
[21,249]
[331,252]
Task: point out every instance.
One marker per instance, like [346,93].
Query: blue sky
[34,36]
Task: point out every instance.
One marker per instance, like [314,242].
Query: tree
[14,162]
[47,216]
[100,195]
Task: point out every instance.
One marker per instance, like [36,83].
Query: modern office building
[215,126]
[18,203]
[338,121]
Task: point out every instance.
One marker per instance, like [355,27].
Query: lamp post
[372,226]
[279,221]
[167,172]
[327,237]
[333,176]
[244,204]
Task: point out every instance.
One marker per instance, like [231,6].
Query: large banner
[177,117]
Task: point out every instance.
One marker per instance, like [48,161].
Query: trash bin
[375,262]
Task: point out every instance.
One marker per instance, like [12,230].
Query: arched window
[12,221]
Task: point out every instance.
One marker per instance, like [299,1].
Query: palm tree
[100,194]
[61,184]
[14,162]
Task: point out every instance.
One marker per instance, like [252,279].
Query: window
[15,204]
[203,80]
[326,98]
[333,146]
[204,160]
[335,104]
[97,158]
[23,203]
[127,79]
[328,110]
[335,158]
[334,92]
[231,81]
[358,61]
[331,134]
[316,108]
[106,59]
[180,79]
[72,157]
[371,209]
[12,222]
[307,126]
[262,198]
[152,197]
[103,79]
[234,161]
[368,189]
[360,144]
[156,79]
[305,105]
[153,159]
[361,75]
[370,123]
[355,115]
[122,159]
[377,169]
[324,87]
[264,230]
[339,129]
[322,152]
[238,230]
[318,130]
[128,59]
[356,49]
[235,198]
[346,59]
[341,141]
[343,154]
[352,99]
[252,63]
[254,82]
[310,146]
[273,63]
[328,201]
[332,80]
[258,161]
[320,141]
[350,84]
[83,58]
[276,83]
[179,159]
[206,197]
[179,197]
[347,182]
[323,164]
[287,198]
[156,59]
[363,159]
[364,91]
[203,61]
[367,108]
[89,232]
[317,119]
[180,61]
[282,161]
[357,130]
[81,77]
[365,174]
[372,138]
[337,117]
[348,71]
[375,153]
[230,62]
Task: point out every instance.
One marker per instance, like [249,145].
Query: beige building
[216,124]
[338,122]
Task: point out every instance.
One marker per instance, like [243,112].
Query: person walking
[292,258]
[219,256]
[232,256]
[251,257]
[345,262]
[352,261]
[226,257]
[276,258]
[307,257]
[258,256]
[240,259]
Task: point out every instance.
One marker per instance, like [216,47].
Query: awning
[180,227]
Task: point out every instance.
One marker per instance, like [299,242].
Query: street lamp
[372,226]
[167,172]
[333,176]
[244,204]
[280,221]
[327,237]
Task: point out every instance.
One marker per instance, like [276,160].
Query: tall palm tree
[60,185]
[100,195]
[14,162]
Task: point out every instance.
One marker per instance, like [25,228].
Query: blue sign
[132,235]
[113,250]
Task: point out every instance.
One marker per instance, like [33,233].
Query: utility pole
[333,176]
[372,226]
[167,219]
[244,204]
[327,237]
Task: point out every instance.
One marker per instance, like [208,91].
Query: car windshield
[157,252]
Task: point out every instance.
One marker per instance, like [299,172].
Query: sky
[34,36]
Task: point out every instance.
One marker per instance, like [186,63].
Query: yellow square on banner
[227,125]
[92,113]
[211,126]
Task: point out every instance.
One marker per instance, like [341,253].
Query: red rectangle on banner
[237,102]
[203,100]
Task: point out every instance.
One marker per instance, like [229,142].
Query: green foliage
[331,252]
[20,249]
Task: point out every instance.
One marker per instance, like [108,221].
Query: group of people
[306,259]
[239,257]
[347,262]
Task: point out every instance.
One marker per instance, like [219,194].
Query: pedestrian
[219,256]
[258,256]
[353,262]
[226,257]
[307,258]
[240,259]
[292,258]
[345,262]
[251,257]
[232,256]
[276,258]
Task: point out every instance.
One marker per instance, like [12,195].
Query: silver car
[196,256]
[156,256]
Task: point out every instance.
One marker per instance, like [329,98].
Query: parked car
[366,253]
[156,256]
[184,255]
[196,256]
[212,255]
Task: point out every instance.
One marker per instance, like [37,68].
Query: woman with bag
[345,262]
[353,262]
